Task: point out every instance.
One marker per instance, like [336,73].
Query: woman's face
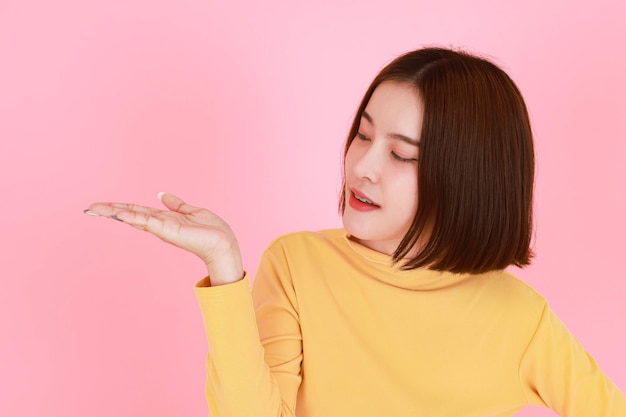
[381,168]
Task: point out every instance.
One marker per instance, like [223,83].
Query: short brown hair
[475,167]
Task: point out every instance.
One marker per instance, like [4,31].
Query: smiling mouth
[364,200]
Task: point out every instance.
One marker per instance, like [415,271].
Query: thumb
[174,203]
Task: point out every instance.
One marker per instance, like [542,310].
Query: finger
[136,208]
[112,209]
[163,224]
[138,220]
[176,204]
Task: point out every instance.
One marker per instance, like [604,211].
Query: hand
[193,229]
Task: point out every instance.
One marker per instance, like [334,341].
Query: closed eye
[362,136]
[401,159]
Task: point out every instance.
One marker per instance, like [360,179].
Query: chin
[352,227]
[361,231]
[371,235]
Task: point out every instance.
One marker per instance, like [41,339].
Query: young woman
[407,311]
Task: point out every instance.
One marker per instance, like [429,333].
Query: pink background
[243,108]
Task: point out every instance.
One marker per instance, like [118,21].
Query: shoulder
[307,252]
[503,291]
[509,285]
[308,240]
[300,257]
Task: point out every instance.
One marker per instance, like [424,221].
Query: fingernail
[160,195]
[114,217]
[90,213]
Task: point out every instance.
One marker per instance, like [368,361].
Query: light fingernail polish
[90,213]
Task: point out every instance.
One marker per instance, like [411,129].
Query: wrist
[225,269]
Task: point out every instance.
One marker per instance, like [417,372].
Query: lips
[360,201]
[363,198]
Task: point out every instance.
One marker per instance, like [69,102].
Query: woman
[407,311]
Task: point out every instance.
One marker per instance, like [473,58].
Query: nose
[367,163]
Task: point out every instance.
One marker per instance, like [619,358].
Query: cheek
[406,189]
[347,160]
[351,156]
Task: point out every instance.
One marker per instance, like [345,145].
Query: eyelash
[395,156]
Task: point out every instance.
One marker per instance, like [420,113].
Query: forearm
[239,383]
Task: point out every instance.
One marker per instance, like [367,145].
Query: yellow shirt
[339,332]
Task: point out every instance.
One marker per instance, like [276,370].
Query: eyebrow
[392,135]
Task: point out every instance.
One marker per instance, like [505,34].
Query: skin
[193,229]
[372,167]
[381,164]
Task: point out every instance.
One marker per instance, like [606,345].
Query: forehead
[396,107]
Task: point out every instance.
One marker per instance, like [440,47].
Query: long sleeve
[244,378]
[558,373]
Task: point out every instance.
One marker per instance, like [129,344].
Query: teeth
[364,200]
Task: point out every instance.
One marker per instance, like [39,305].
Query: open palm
[194,229]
